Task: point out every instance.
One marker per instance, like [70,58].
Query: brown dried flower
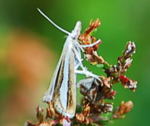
[86,38]
[95,91]
[124,108]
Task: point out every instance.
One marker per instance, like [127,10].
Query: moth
[62,89]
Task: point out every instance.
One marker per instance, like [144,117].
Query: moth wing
[62,90]
[65,98]
[56,76]
[49,94]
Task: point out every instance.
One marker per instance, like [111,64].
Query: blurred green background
[30,48]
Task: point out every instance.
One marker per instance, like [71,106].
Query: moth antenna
[55,25]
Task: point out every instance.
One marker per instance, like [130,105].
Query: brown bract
[124,108]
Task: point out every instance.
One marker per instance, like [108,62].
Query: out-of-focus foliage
[30,47]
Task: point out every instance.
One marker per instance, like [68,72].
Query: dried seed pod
[40,114]
[123,109]
[128,83]
[49,123]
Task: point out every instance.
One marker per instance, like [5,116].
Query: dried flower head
[95,92]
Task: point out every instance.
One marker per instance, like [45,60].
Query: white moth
[62,90]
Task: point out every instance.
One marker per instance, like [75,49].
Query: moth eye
[74,37]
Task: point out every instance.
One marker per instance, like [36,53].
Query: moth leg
[79,59]
[76,67]
[79,72]
[79,46]
[91,45]
[84,69]
[80,62]
[87,73]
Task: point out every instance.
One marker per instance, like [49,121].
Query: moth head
[76,31]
